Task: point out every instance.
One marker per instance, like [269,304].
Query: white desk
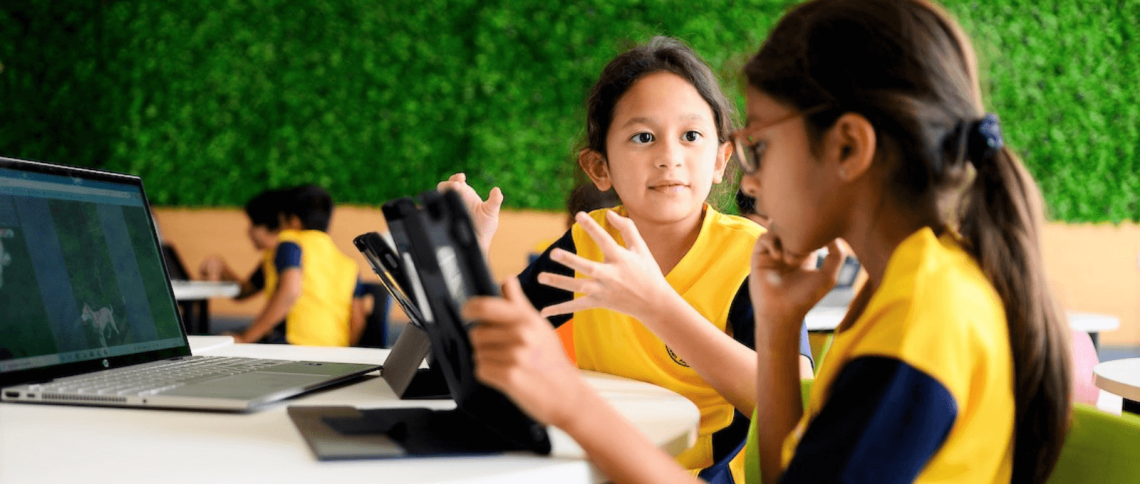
[197,290]
[51,443]
[1120,377]
[827,318]
[194,301]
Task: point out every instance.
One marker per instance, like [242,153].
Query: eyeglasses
[748,151]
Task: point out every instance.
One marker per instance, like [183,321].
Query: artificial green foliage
[213,100]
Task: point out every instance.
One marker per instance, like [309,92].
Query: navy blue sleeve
[541,295]
[743,324]
[882,422]
[257,279]
[287,256]
[360,291]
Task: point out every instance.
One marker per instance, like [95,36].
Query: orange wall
[1096,268]
[198,233]
[1093,268]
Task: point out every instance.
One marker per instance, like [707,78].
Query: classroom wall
[199,233]
[1092,267]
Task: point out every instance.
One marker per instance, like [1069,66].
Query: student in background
[264,214]
[313,289]
[657,135]
[865,122]
[317,293]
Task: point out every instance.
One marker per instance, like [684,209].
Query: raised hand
[628,280]
[484,214]
[786,286]
[517,352]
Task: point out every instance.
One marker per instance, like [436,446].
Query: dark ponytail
[1001,223]
[908,69]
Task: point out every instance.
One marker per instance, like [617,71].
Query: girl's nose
[671,155]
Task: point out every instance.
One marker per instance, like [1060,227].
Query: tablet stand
[402,368]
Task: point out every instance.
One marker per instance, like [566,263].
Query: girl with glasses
[865,122]
[672,305]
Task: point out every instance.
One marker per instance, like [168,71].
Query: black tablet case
[402,369]
[451,268]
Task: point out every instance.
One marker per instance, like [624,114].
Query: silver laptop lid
[83,286]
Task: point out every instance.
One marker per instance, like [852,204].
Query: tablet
[385,262]
[441,261]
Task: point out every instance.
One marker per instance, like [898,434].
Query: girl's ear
[851,144]
[723,158]
[594,164]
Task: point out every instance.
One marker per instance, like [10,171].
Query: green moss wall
[213,100]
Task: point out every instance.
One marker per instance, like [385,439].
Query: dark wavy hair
[907,68]
[660,54]
[311,204]
[264,209]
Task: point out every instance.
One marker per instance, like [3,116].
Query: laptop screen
[81,275]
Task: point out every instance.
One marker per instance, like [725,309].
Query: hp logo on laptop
[106,364]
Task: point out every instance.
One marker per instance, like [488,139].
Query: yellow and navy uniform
[712,277]
[330,280]
[919,388]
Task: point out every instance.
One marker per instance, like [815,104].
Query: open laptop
[88,316]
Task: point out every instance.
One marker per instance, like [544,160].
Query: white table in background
[195,290]
[1093,324]
[827,318]
[54,443]
[1120,377]
[193,299]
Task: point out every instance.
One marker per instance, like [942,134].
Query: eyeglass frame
[741,146]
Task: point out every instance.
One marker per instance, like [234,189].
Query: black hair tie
[984,139]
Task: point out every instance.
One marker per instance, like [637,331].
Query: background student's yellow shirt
[712,278]
[920,387]
[329,281]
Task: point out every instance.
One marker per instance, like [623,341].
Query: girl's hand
[785,286]
[484,214]
[628,280]
[518,352]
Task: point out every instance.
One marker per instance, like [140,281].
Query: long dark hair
[907,68]
[660,54]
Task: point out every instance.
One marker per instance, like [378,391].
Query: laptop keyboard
[149,379]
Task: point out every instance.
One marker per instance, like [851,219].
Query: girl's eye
[642,138]
[692,136]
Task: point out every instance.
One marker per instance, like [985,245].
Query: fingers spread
[570,307]
[566,283]
[580,264]
[628,230]
[605,242]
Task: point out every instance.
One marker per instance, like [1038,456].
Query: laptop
[89,317]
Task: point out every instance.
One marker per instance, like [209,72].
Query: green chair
[1100,447]
[820,344]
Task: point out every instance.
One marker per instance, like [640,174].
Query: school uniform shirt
[712,278]
[322,314]
[919,388]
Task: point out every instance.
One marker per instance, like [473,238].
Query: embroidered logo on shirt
[676,359]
